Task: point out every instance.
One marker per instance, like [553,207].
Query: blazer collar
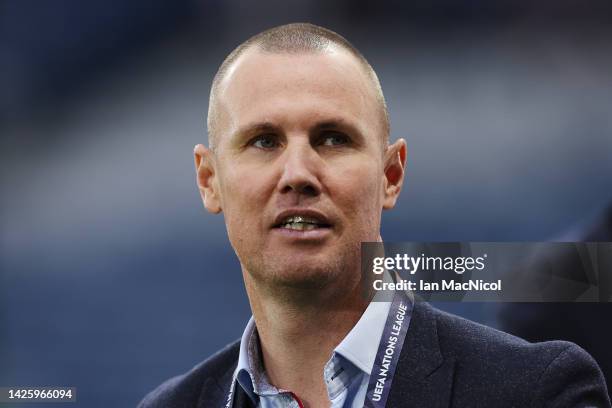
[215,391]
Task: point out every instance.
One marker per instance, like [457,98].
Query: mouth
[301,221]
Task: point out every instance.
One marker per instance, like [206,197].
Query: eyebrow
[254,128]
[258,127]
[332,124]
[341,125]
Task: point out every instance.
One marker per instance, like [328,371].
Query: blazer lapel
[215,391]
[423,377]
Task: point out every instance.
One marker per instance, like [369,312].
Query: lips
[301,220]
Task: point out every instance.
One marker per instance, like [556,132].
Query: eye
[334,139]
[267,141]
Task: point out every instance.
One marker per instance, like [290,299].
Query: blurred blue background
[105,249]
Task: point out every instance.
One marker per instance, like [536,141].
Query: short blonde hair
[293,38]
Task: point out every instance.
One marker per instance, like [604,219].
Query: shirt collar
[250,373]
[361,343]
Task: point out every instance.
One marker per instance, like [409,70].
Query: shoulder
[467,340]
[553,372]
[187,389]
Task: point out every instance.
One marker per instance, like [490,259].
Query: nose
[300,173]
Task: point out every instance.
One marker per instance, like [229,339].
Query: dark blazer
[586,324]
[446,361]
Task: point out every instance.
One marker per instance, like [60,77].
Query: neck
[298,337]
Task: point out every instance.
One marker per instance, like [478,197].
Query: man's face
[299,165]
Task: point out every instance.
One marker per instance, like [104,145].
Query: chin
[307,271]
[296,266]
[305,276]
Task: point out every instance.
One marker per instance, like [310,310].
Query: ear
[394,164]
[206,177]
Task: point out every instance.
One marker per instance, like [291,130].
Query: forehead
[296,89]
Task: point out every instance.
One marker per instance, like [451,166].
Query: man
[300,165]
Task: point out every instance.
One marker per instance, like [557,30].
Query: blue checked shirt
[346,374]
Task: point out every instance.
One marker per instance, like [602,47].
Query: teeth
[299,218]
[300,226]
[300,223]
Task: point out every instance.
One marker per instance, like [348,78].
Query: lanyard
[389,350]
[387,356]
